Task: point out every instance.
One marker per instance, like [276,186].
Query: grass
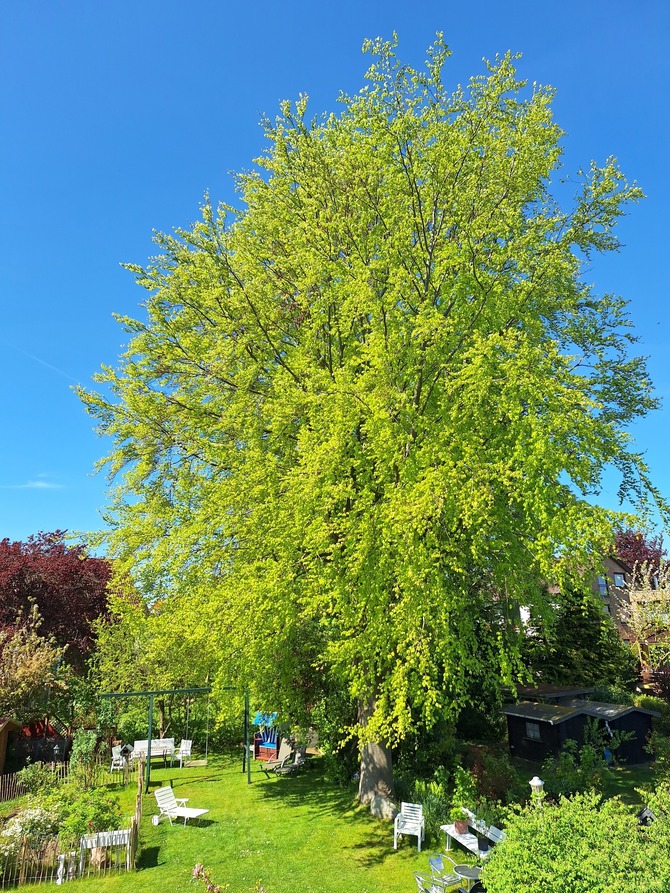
[289,834]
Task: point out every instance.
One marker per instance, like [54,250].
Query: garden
[308,830]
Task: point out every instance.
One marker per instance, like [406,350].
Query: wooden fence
[11,787]
[60,860]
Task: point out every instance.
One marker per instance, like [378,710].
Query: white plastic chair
[409,820]
[118,762]
[184,751]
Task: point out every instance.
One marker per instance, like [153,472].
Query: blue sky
[115,118]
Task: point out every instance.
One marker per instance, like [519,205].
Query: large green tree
[361,417]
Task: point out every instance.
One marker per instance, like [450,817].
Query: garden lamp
[537,788]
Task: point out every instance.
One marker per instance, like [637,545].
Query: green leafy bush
[90,812]
[82,758]
[580,844]
[36,778]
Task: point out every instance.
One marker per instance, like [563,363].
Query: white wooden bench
[160,747]
[469,839]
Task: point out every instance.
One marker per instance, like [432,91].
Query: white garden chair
[118,761]
[184,752]
[409,820]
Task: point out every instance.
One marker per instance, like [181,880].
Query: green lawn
[290,834]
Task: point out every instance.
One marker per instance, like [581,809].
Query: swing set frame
[184,691]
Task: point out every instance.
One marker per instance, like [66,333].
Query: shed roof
[8,721]
[551,713]
[608,711]
[552,691]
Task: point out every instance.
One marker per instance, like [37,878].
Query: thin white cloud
[32,485]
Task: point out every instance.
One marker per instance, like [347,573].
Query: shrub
[35,824]
[580,844]
[431,794]
[36,778]
[82,758]
[92,811]
[496,776]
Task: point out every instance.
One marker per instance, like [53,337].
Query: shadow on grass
[374,841]
[148,858]
[306,788]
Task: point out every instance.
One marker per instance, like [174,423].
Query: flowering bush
[35,824]
[92,811]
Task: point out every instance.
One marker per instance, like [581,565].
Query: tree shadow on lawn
[374,841]
[307,788]
[148,858]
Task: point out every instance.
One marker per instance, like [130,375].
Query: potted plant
[488,813]
[463,797]
[457,816]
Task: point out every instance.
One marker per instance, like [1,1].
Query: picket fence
[55,859]
[11,787]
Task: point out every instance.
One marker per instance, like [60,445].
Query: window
[606,609]
[533,731]
[619,580]
[602,587]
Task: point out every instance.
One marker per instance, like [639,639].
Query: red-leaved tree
[67,586]
[642,553]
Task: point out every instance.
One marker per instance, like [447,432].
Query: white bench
[160,747]
[469,839]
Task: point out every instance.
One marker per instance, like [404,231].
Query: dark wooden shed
[623,718]
[537,731]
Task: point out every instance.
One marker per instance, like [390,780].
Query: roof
[608,711]
[553,691]
[7,721]
[558,713]
[551,713]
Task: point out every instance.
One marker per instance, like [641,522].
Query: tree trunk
[376,773]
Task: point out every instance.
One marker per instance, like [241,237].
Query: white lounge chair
[285,751]
[409,820]
[174,807]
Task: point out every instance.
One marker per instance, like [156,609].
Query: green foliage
[582,844]
[585,768]
[82,756]
[91,811]
[497,779]
[364,413]
[428,753]
[29,669]
[579,645]
[36,778]
[464,792]
[612,694]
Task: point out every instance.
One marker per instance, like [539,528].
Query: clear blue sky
[116,117]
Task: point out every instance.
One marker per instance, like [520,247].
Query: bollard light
[536,786]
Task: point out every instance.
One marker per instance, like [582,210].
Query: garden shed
[6,726]
[623,718]
[538,730]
